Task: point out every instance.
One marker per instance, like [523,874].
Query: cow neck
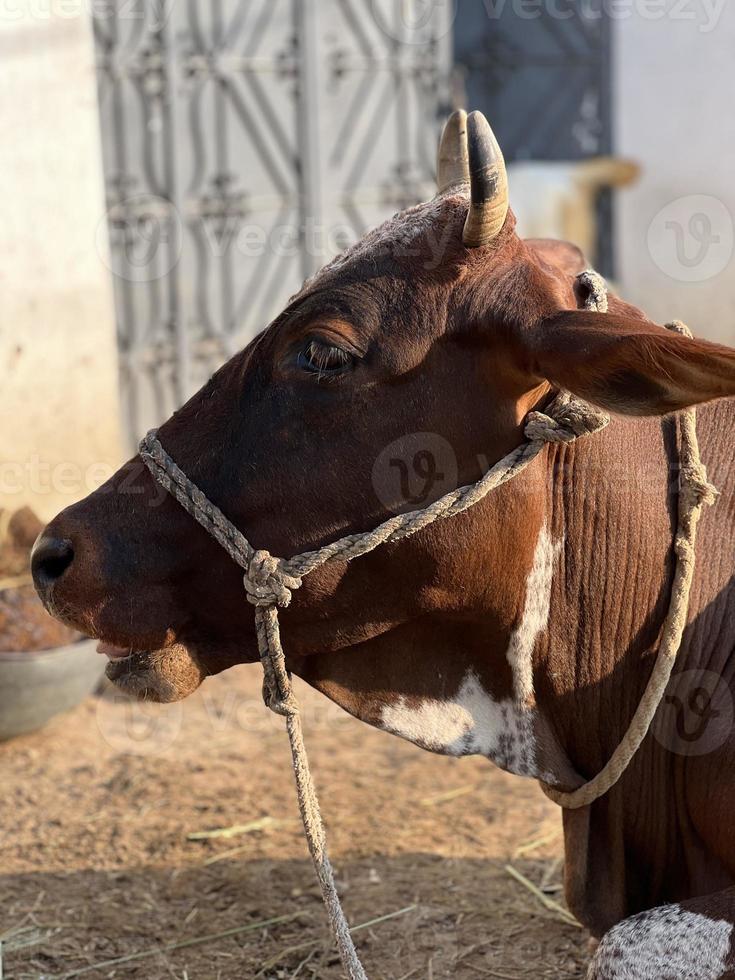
[694,493]
[269,583]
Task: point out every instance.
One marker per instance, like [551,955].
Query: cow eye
[323,359]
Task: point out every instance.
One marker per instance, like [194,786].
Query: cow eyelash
[323,360]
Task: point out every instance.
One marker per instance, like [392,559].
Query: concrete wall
[58,403]
[674,68]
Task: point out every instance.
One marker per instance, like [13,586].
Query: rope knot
[544,428]
[594,290]
[693,482]
[286,706]
[267,583]
[570,421]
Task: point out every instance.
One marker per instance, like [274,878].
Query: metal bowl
[36,686]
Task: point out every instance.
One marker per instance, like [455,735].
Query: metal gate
[244,143]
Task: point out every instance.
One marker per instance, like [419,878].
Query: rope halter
[270,582]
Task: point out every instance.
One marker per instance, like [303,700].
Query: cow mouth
[114,653]
[164,675]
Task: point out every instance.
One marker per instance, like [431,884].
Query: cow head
[405,367]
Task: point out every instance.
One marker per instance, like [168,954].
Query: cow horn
[488,183]
[452,164]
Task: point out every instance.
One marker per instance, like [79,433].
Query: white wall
[58,362]
[674,95]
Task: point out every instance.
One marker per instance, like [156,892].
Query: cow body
[523,629]
[576,661]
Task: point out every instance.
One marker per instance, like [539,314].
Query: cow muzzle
[51,558]
[72,577]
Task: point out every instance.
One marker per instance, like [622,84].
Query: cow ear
[627,365]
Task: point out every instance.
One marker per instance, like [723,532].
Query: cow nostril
[50,558]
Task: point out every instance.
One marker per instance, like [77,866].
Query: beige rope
[694,493]
[269,583]
[279,697]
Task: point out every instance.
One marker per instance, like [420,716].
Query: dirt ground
[97,863]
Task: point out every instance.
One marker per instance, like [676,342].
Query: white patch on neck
[472,722]
[534,619]
[668,941]
[469,723]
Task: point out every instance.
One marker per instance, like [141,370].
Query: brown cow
[523,630]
